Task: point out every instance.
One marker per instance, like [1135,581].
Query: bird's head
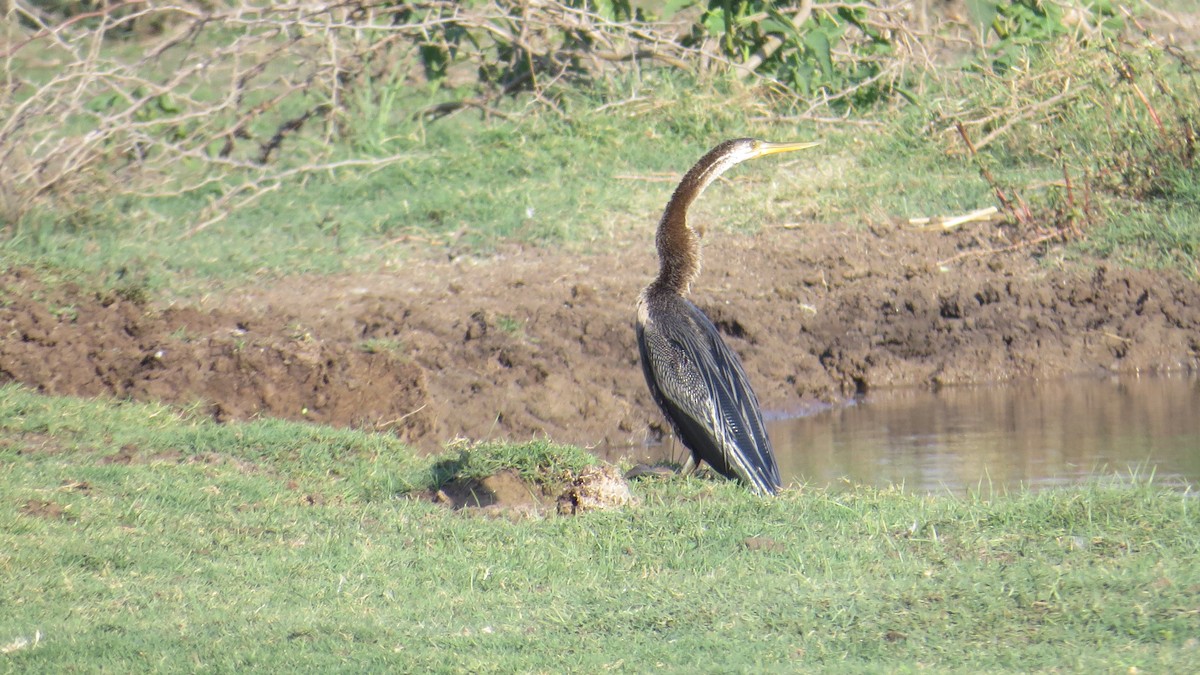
[729,154]
[739,150]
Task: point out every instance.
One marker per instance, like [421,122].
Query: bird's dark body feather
[697,381]
[702,388]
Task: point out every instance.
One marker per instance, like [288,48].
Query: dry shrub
[231,99]
[1117,117]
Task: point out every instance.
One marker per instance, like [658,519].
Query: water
[1002,438]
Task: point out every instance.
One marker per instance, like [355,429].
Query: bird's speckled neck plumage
[678,244]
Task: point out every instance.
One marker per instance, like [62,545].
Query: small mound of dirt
[506,493]
[37,508]
[597,488]
[505,490]
[765,544]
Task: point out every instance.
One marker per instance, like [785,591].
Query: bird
[695,378]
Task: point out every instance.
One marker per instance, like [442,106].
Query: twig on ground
[950,222]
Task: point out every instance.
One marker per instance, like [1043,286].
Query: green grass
[271,545]
[540,462]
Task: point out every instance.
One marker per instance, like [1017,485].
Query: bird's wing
[701,385]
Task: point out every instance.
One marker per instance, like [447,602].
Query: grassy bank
[135,537]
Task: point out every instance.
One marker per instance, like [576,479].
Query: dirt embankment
[540,343]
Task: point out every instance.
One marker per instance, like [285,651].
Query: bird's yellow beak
[766,148]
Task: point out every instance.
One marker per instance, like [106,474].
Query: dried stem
[1021,215]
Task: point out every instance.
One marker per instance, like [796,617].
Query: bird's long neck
[678,244]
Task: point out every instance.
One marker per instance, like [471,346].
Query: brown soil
[502,492]
[540,342]
[37,508]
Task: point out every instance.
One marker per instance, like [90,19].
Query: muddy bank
[539,342]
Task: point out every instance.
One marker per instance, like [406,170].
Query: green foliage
[1024,29]
[376,104]
[1152,154]
[444,40]
[801,57]
[610,10]
[506,60]
[463,182]
[145,109]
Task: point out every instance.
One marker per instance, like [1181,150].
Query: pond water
[1002,438]
[992,440]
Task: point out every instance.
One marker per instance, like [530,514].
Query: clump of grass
[382,346]
[510,325]
[540,462]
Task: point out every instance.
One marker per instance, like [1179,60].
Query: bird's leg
[689,467]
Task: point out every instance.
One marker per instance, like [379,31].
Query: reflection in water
[1001,438]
